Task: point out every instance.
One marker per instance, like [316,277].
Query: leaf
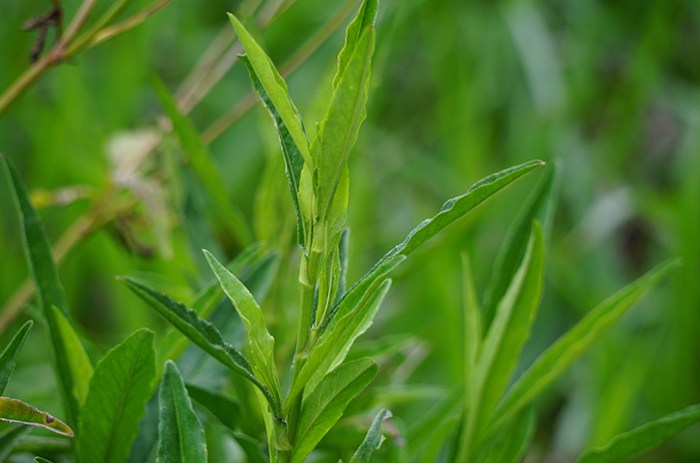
[293,160]
[503,342]
[420,432]
[181,433]
[338,132]
[251,447]
[629,444]
[452,210]
[343,253]
[8,358]
[366,16]
[16,411]
[223,408]
[511,444]
[78,360]
[538,207]
[49,290]
[262,344]
[325,405]
[246,264]
[336,340]
[41,460]
[373,440]
[557,358]
[201,332]
[275,87]
[204,167]
[116,401]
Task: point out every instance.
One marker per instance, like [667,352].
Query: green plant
[298,404]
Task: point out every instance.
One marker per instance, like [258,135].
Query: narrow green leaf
[223,408]
[511,443]
[557,358]
[49,290]
[41,460]
[205,168]
[16,411]
[538,207]
[247,263]
[293,160]
[343,253]
[262,344]
[78,360]
[326,404]
[629,444]
[337,338]
[116,401]
[338,132]
[373,440]
[452,210]
[8,358]
[181,433]
[275,87]
[366,16]
[201,332]
[503,342]
[10,438]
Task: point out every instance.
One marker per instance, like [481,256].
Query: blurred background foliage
[606,91]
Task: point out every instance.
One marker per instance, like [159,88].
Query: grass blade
[373,440]
[201,332]
[41,460]
[181,433]
[49,290]
[325,405]
[275,87]
[16,411]
[629,444]
[262,344]
[119,389]
[205,168]
[503,342]
[8,358]
[552,363]
[10,438]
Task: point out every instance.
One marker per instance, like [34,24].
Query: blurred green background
[606,91]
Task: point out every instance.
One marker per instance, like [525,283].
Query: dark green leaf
[372,440]
[48,286]
[116,401]
[199,331]
[181,433]
[16,411]
[628,444]
[552,363]
[326,404]
[41,460]
[8,359]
